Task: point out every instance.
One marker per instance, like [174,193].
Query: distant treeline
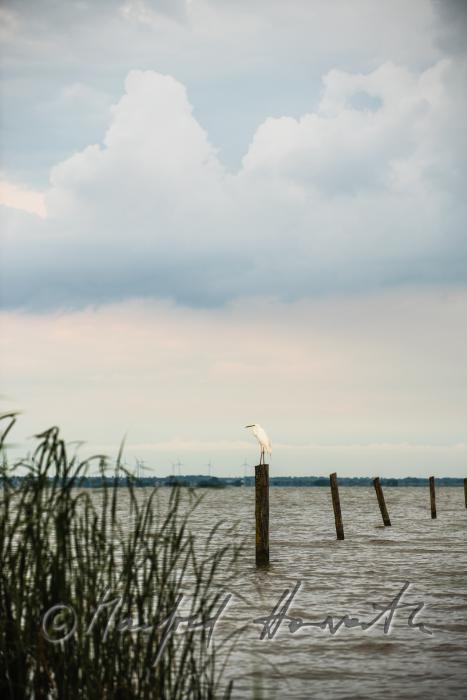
[200,481]
[361,481]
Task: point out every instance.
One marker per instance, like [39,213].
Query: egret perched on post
[261,436]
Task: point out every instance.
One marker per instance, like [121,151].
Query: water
[345,577]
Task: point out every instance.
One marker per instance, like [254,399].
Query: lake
[371,566]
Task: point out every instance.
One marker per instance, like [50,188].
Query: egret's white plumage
[264,442]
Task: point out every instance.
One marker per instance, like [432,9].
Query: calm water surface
[346,577]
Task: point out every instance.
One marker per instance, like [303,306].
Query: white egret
[264,441]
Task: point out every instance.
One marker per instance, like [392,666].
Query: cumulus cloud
[342,198]
[241,62]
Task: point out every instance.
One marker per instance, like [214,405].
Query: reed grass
[62,545]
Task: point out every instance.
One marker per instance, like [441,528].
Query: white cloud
[340,148]
[340,199]
[241,61]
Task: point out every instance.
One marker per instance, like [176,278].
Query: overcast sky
[216,213]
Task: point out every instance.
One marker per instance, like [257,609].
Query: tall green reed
[131,548]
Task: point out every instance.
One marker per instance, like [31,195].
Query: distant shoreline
[202,481]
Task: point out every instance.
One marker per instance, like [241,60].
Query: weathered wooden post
[432,497]
[262,514]
[336,504]
[381,501]
[465,491]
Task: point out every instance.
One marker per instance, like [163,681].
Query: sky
[216,213]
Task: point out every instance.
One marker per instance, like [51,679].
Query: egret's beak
[248,426]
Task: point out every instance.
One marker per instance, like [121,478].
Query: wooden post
[465,492]
[432,497]
[381,501]
[262,514]
[337,506]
